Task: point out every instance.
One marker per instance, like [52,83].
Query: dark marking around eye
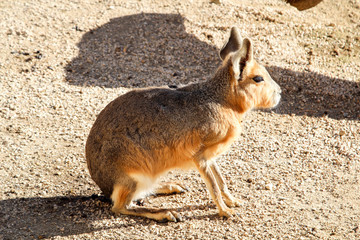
[258,79]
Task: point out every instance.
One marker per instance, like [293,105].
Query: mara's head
[251,84]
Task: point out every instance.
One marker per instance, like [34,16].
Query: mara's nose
[277,87]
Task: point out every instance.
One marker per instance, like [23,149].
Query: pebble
[269,186]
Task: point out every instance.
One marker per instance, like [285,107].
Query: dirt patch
[296,167]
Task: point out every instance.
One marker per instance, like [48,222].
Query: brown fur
[146,132]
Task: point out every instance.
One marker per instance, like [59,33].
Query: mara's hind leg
[122,197]
[167,188]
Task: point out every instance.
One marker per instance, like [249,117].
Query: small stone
[269,186]
[216,1]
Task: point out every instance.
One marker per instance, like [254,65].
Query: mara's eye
[258,79]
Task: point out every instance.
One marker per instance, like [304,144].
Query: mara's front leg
[211,153]
[205,169]
[229,199]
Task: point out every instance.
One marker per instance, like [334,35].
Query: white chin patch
[276,99]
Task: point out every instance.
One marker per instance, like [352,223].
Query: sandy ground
[296,168]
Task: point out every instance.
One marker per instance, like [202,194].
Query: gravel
[296,167]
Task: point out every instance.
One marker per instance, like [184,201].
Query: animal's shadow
[317,95]
[47,217]
[38,218]
[141,50]
[154,49]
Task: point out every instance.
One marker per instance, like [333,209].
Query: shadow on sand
[141,50]
[38,218]
[317,95]
[48,217]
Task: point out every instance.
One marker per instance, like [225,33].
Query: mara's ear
[233,44]
[242,57]
[247,51]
